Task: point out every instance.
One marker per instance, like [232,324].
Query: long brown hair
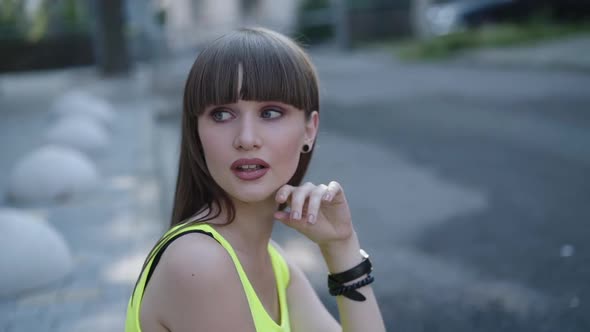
[274,68]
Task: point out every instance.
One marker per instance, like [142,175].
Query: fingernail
[326,197]
[311,219]
[295,215]
[281,197]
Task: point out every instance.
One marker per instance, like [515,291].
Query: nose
[247,136]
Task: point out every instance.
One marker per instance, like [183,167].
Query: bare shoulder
[194,278]
[195,254]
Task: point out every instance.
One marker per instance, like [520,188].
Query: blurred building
[39,34]
[192,22]
[378,19]
[440,17]
[36,34]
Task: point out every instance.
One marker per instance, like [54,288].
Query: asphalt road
[469,186]
[518,138]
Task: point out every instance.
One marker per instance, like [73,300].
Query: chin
[252,193]
[252,197]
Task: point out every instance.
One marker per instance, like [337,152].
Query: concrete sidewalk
[108,230]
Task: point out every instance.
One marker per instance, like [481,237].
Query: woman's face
[271,132]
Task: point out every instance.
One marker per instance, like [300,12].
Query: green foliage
[314,33]
[486,36]
[371,4]
[318,32]
[50,17]
[73,15]
[160,16]
[9,10]
[38,27]
[307,5]
[11,13]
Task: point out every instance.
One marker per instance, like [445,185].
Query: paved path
[478,177]
[107,230]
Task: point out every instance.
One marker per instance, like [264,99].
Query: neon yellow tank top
[262,320]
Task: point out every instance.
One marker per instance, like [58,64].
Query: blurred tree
[12,16]
[316,22]
[342,33]
[111,51]
[44,34]
[418,18]
[73,17]
[39,24]
[160,16]
[248,5]
[71,12]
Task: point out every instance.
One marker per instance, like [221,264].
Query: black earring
[306,148]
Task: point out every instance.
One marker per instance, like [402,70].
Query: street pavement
[109,229]
[482,240]
[468,187]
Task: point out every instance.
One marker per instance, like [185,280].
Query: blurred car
[446,16]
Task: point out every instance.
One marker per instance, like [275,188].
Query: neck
[251,229]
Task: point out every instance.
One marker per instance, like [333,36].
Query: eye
[271,113]
[221,115]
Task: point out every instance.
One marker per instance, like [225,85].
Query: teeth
[250,167]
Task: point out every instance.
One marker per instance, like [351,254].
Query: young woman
[249,124]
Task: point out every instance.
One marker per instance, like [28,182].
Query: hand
[321,212]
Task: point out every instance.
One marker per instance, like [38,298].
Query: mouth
[249,169]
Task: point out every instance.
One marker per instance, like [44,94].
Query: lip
[253,161]
[249,175]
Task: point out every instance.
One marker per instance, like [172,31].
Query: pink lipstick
[249,169]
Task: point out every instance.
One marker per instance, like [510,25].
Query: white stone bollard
[79,102]
[80,132]
[32,253]
[51,173]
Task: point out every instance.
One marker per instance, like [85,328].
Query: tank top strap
[262,319]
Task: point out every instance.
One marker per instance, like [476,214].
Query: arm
[354,316]
[327,222]
[308,313]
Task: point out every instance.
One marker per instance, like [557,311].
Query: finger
[314,202]
[281,215]
[283,193]
[298,197]
[334,189]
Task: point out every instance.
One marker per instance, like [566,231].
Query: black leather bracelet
[364,267]
[350,291]
[336,281]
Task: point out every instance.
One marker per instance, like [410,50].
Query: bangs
[273,69]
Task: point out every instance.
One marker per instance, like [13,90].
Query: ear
[311,127]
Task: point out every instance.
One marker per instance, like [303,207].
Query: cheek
[287,150]
[214,146]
